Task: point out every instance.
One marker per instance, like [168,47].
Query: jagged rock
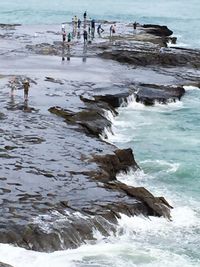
[111,164]
[53,80]
[149,94]
[93,121]
[157,206]
[113,100]
[157,30]
[9,26]
[155,57]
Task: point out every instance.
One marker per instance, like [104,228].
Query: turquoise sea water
[165,141]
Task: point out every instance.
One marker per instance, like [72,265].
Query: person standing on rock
[85,36]
[85,20]
[13,86]
[75,21]
[64,36]
[111,29]
[79,23]
[99,30]
[92,28]
[63,27]
[69,38]
[26,86]
[85,15]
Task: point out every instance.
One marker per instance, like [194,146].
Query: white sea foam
[190,88]
[179,44]
[169,167]
[48,222]
[171,105]
[109,115]
[133,178]
[139,241]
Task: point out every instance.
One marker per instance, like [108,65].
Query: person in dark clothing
[100,30]
[79,23]
[93,23]
[135,25]
[85,36]
[64,36]
[69,37]
[85,15]
[92,28]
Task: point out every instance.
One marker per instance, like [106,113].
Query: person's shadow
[84,58]
[63,52]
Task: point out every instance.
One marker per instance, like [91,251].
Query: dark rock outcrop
[168,57]
[4,265]
[92,121]
[157,206]
[111,164]
[157,30]
[114,101]
[149,94]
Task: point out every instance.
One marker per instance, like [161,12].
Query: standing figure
[135,25]
[69,38]
[92,28]
[79,23]
[114,29]
[26,86]
[85,15]
[111,30]
[85,36]
[13,86]
[63,27]
[100,30]
[75,21]
[84,20]
[64,36]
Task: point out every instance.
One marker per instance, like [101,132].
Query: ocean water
[164,138]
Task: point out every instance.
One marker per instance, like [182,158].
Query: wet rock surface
[157,30]
[58,177]
[4,265]
[149,94]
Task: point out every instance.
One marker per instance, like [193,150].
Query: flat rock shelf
[58,175]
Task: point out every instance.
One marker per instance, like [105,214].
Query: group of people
[26,85]
[89,27]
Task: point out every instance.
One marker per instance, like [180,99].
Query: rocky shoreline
[59,178]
